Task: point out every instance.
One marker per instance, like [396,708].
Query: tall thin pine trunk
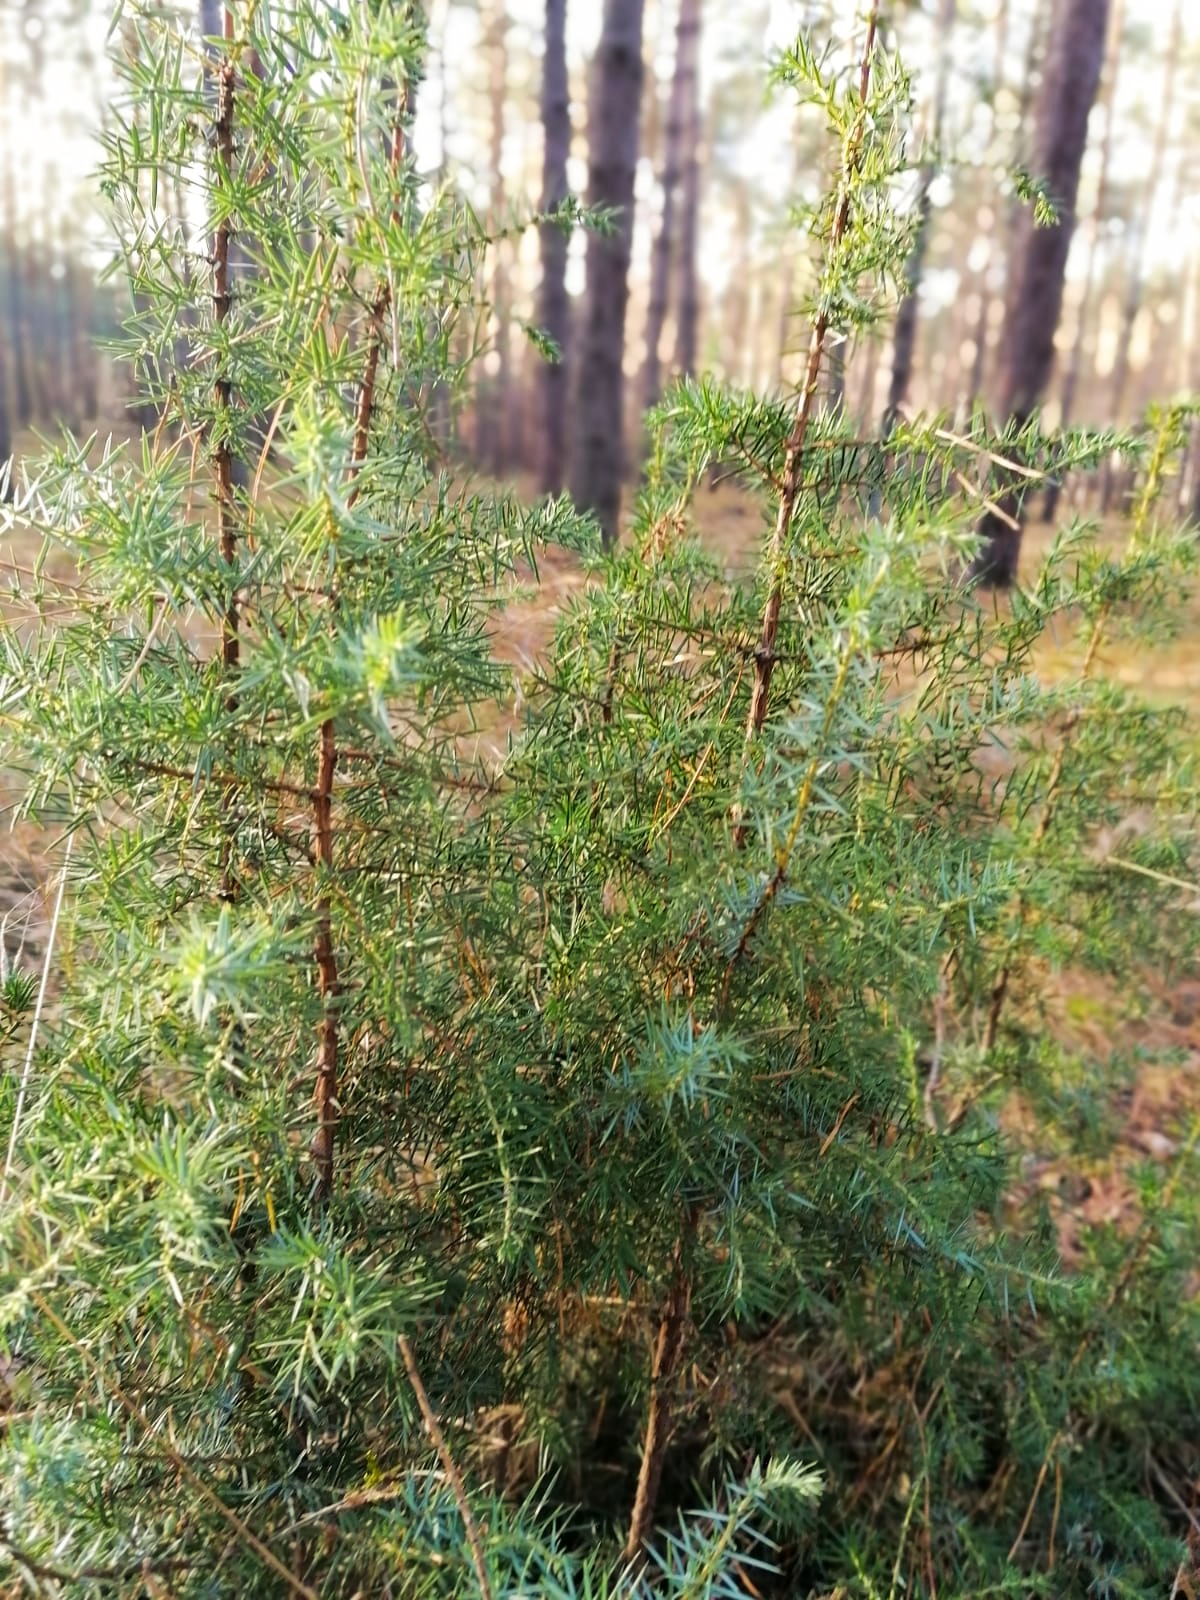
[1139,228]
[554,311]
[738,295]
[687,327]
[679,116]
[988,294]
[1076,345]
[17,334]
[1026,148]
[613,128]
[496,397]
[1069,87]
[6,430]
[904,341]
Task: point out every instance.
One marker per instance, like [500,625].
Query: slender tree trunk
[865,408]
[1026,150]
[989,292]
[688,318]
[613,125]
[6,431]
[1189,503]
[784,335]
[554,309]
[498,389]
[82,306]
[679,116]
[737,336]
[1139,229]
[1070,387]
[991,206]
[17,334]
[1040,254]
[905,338]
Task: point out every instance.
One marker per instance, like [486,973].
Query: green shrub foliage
[568,1161]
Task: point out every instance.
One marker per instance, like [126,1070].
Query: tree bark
[1074,370]
[904,341]
[496,403]
[613,128]
[16,338]
[6,432]
[1139,227]
[1069,87]
[679,118]
[688,319]
[554,312]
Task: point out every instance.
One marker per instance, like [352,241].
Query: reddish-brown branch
[793,459]
[222,300]
[324,950]
[223,399]
[327,967]
[449,1466]
[668,1350]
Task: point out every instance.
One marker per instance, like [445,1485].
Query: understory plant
[564,1144]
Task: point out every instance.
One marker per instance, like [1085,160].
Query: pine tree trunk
[688,320]
[988,293]
[904,340]
[553,306]
[737,339]
[6,432]
[613,128]
[17,334]
[498,388]
[1069,87]
[1139,228]
[1070,387]
[679,117]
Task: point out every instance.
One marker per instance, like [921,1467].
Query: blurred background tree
[506,114]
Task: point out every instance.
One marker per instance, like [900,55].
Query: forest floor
[1141,1051]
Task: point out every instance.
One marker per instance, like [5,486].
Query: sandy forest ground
[1155,1103]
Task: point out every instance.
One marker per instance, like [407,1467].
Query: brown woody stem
[223,397]
[449,1466]
[668,1351]
[324,950]
[793,460]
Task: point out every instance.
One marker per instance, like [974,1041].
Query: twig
[222,300]
[1149,872]
[828,1142]
[668,1348]
[27,1068]
[52,1574]
[327,967]
[794,456]
[434,1429]
[1034,1497]
[990,455]
[159,1442]
[988,504]
[324,951]
[939,1043]
[1173,1494]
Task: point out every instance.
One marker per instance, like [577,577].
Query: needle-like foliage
[584,1162]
